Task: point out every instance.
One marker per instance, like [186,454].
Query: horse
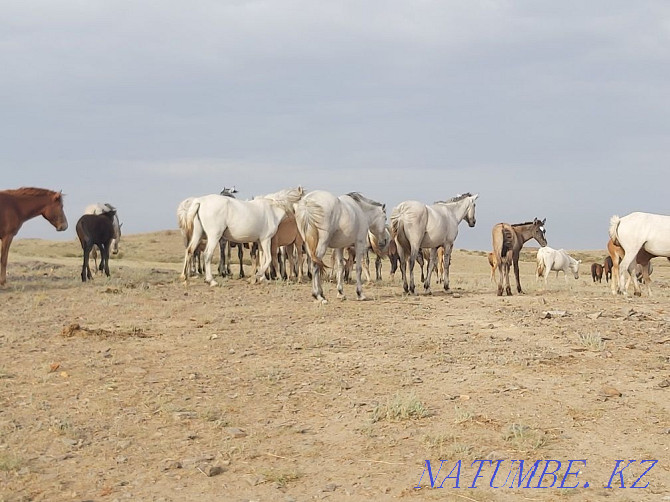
[608,265]
[99,208]
[415,225]
[373,246]
[20,205]
[96,230]
[325,220]
[642,236]
[507,243]
[549,259]
[241,221]
[492,263]
[286,244]
[616,254]
[597,272]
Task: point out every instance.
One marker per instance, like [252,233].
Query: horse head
[470,213]
[54,213]
[229,192]
[539,232]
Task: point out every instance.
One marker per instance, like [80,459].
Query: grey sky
[547,109]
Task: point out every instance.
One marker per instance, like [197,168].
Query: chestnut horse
[17,206]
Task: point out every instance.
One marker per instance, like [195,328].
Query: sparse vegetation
[592,341]
[400,407]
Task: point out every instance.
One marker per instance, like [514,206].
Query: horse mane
[455,198]
[284,198]
[522,224]
[358,197]
[30,192]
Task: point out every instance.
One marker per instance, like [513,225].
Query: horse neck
[459,209]
[525,232]
[33,205]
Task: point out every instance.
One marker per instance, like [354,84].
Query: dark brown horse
[507,243]
[597,272]
[608,266]
[17,206]
[96,230]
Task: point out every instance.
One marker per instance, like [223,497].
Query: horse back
[95,229]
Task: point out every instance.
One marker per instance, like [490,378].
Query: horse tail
[189,223]
[398,228]
[614,229]
[307,215]
[182,211]
[507,241]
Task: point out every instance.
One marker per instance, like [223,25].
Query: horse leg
[319,253]
[429,269]
[266,250]
[240,257]
[85,270]
[207,255]
[222,256]
[515,261]
[627,265]
[366,266]
[229,251]
[420,260]
[104,257]
[501,275]
[361,247]
[446,263]
[338,262]
[412,260]
[378,268]
[6,242]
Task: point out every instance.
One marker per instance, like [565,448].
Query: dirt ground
[139,387]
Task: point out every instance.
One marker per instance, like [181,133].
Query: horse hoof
[637,293]
[213,283]
[183,277]
[361,297]
[341,296]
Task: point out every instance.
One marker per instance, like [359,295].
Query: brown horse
[597,272]
[507,243]
[18,206]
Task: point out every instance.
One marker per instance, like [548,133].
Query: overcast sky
[559,110]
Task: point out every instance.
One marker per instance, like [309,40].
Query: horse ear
[544,221]
[384,207]
[475,196]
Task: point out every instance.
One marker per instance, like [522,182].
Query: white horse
[642,236]
[325,220]
[100,208]
[549,259]
[415,225]
[239,221]
[195,264]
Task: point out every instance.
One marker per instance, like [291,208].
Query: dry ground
[141,388]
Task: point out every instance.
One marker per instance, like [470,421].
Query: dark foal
[96,230]
[597,272]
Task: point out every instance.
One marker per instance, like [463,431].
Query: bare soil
[139,387]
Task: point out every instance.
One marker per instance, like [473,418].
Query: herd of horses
[281,226]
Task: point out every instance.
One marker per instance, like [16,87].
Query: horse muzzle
[62,227]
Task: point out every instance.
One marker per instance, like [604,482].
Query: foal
[96,230]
